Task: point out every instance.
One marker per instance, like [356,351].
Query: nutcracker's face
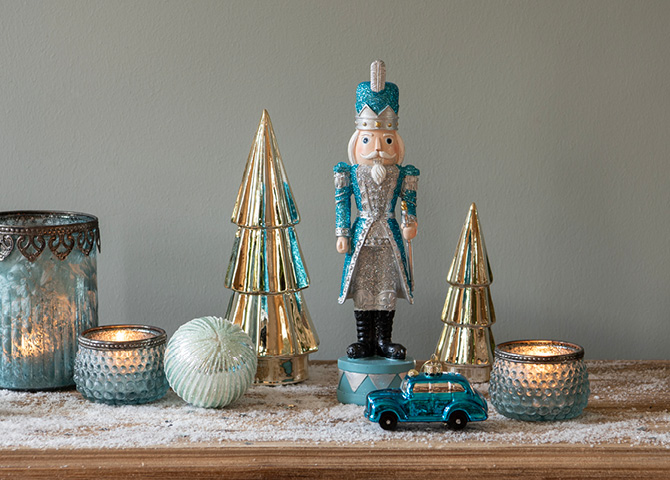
[377,146]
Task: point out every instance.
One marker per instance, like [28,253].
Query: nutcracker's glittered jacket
[346,185]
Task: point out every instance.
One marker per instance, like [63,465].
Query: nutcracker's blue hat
[377,101]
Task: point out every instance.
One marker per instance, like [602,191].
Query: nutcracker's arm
[343,192]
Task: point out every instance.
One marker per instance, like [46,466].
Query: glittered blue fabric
[355,187]
[343,214]
[410,170]
[377,101]
[410,201]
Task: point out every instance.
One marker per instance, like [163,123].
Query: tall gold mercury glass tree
[266,271]
[466,344]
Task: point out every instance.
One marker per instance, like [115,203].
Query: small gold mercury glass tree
[266,271]
[466,344]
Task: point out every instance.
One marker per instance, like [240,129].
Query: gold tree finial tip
[265,199]
[470,265]
[472,220]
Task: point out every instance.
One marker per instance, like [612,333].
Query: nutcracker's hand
[342,244]
[409,232]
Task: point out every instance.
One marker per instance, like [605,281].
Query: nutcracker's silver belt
[372,216]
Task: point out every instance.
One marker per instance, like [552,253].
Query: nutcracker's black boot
[365,330]
[383,329]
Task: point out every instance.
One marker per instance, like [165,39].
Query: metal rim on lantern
[502,351]
[79,222]
[159,337]
[32,240]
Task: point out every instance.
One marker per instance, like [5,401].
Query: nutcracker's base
[360,376]
[282,370]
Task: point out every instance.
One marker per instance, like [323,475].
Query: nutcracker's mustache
[382,154]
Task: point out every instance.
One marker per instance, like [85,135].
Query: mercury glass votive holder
[121,364]
[48,295]
[539,380]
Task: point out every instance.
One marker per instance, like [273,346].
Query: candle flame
[120,335]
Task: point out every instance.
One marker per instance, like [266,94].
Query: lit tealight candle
[121,364]
[539,380]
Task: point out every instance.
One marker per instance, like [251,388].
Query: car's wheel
[388,421]
[457,420]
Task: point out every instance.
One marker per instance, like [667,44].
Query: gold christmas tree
[466,344]
[266,271]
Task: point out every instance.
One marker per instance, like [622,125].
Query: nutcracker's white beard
[378,169]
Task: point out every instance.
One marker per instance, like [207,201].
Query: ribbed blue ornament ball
[210,362]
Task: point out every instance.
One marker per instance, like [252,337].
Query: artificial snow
[306,413]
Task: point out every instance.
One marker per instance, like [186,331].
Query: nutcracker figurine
[377,266]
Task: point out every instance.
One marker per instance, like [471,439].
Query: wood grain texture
[491,461]
[613,383]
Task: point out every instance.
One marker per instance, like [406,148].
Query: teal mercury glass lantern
[121,364]
[48,295]
[539,380]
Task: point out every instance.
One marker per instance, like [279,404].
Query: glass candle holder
[539,380]
[48,295]
[121,364]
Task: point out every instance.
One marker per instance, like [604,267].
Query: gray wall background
[553,117]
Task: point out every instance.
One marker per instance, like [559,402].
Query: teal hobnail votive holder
[539,380]
[48,295]
[121,364]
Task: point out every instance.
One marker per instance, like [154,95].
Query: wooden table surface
[612,391]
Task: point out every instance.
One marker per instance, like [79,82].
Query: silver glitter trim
[379,218]
[364,300]
[343,232]
[374,216]
[342,179]
[377,242]
[376,198]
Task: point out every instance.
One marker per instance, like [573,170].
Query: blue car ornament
[430,396]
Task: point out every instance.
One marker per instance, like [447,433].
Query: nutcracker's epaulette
[342,167]
[410,170]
